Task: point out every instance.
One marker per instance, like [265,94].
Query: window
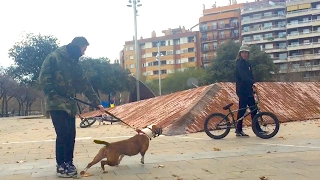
[214,25]
[281,23]
[283,66]
[283,56]
[294,33]
[176,41]
[177,51]
[257,37]
[131,48]
[306,42]
[190,49]
[215,34]
[163,62]
[126,48]
[190,39]
[192,59]
[294,22]
[282,34]
[169,52]
[246,28]
[256,16]
[267,14]
[247,39]
[268,35]
[306,31]
[222,35]
[294,43]
[282,45]
[267,25]
[215,45]
[131,66]
[178,61]
[280,13]
[221,24]
[268,46]
[204,26]
[155,44]
[131,57]
[142,46]
[305,19]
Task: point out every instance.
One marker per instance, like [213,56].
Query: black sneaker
[70,169]
[241,134]
[61,170]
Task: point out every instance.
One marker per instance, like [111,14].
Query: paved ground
[27,152]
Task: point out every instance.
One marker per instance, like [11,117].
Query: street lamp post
[159,63]
[135,4]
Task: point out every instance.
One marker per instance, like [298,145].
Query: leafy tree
[177,81]
[222,67]
[28,55]
[106,77]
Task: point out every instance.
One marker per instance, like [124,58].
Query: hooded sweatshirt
[61,76]
[244,78]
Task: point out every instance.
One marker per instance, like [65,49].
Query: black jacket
[244,78]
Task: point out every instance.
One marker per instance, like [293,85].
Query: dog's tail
[101,142]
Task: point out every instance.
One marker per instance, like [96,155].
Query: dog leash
[107,112]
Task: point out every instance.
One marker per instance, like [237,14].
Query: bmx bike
[87,122]
[214,123]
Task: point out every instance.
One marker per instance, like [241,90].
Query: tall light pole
[159,63]
[135,4]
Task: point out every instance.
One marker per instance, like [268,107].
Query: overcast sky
[107,24]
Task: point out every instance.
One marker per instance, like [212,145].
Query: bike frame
[232,112]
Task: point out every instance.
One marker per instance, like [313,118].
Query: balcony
[310,45]
[208,49]
[262,7]
[207,59]
[303,12]
[275,49]
[263,29]
[265,40]
[303,35]
[219,27]
[300,68]
[279,60]
[263,19]
[303,23]
[304,57]
[208,38]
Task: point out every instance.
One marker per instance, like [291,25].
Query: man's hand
[101,108]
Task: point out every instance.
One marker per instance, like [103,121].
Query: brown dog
[114,152]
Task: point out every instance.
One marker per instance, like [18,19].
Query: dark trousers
[245,101]
[65,127]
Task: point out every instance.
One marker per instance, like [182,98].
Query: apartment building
[179,49]
[264,24]
[303,37]
[217,25]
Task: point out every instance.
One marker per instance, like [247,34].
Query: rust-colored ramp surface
[185,111]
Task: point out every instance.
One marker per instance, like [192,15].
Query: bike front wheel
[268,123]
[217,126]
[86,122]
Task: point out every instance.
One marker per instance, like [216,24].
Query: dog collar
[141,132]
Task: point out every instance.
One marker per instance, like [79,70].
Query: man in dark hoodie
[244,88]
[61,76]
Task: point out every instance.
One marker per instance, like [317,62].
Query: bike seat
[227,106]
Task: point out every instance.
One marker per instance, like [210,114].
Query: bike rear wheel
[217,122]
[86,122]
[261,121]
